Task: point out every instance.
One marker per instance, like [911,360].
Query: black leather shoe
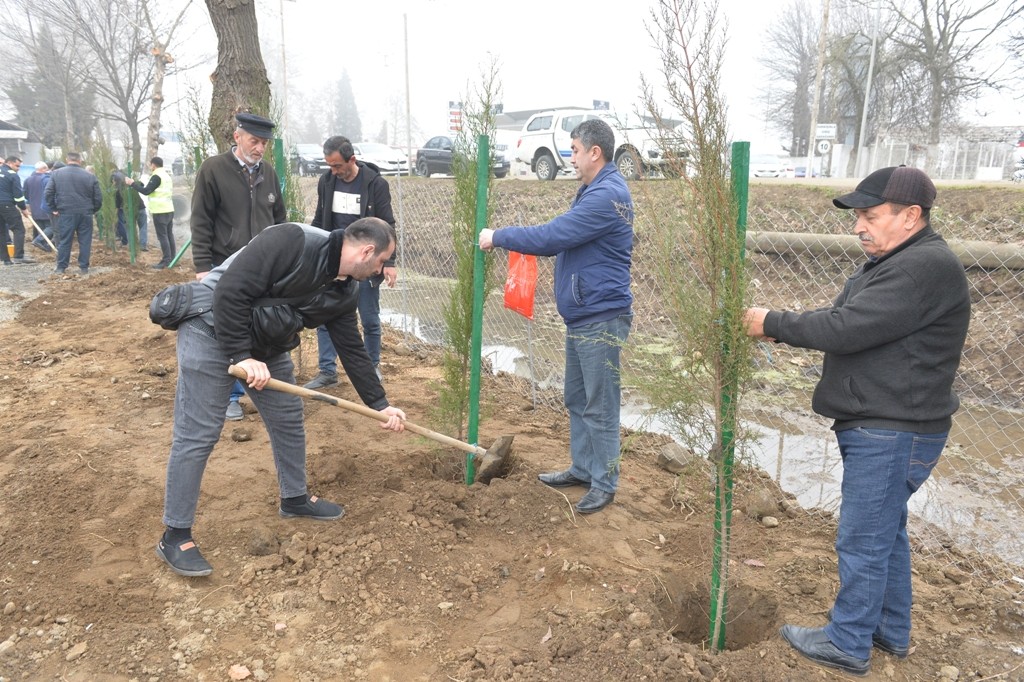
[881,644]
[561,479]
[814,644]
[184,558]
[891,649]
[594,501]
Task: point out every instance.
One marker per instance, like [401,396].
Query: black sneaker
[184,558]
[313,508]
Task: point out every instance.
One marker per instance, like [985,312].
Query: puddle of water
[980,509]
[807,464]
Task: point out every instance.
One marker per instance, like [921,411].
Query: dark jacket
[375,201]
[892,340]
[73,189]
[227,212]
[290,261]
[35,194]
[10,187]
[593,242]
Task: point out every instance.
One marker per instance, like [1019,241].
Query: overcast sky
[549,53]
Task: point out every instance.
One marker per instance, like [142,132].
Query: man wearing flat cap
[236,197]
[892,342]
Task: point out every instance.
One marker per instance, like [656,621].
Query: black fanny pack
[174,304]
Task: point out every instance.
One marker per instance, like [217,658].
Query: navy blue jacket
[593,245]
[73,189]
[35,193]
[10,187]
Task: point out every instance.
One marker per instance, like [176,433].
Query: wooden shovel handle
[285,387]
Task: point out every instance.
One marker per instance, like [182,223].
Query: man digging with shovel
[289,277]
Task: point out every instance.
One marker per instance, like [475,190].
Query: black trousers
[10,222]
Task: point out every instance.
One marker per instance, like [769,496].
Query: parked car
[436,157]
[388,160]
[545,143]
[801,172]
[308,159]
[767,166]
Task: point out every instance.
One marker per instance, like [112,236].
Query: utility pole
[861,161]
[284,79]
[818,78]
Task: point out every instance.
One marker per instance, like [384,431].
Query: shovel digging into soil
[490,463]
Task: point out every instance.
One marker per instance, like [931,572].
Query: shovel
[42,234]
[491,462]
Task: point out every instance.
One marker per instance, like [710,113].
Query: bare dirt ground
[424,578]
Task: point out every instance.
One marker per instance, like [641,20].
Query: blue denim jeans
[70,225]
[369,318]
[592,397]
[199,400]
[881,470]
[142,221]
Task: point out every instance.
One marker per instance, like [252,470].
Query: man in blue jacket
[35,195]
[593,245]
[74,195]
[892,342]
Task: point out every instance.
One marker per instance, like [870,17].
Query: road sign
[825,131]
[824,146]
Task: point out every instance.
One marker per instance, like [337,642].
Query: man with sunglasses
[351,190]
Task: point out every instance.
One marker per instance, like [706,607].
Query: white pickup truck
[544,143]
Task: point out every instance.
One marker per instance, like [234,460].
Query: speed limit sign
[824,146]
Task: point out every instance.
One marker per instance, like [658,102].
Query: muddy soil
[424,578]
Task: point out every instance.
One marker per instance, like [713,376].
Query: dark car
[436,157]
[308,159]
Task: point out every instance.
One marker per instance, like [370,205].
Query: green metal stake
[130,223]
[483,170]
[279,162]
[730,389]
[181,252]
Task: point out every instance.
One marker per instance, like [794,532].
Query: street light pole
[861,161]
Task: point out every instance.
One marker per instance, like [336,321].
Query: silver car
[389,160]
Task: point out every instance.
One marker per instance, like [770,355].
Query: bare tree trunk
[240,81]
[160,61]
[69,131]
[161,58]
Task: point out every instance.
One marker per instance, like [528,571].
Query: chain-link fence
[973,505]
[971,510]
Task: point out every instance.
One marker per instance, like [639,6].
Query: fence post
[483,170]
[730,390]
